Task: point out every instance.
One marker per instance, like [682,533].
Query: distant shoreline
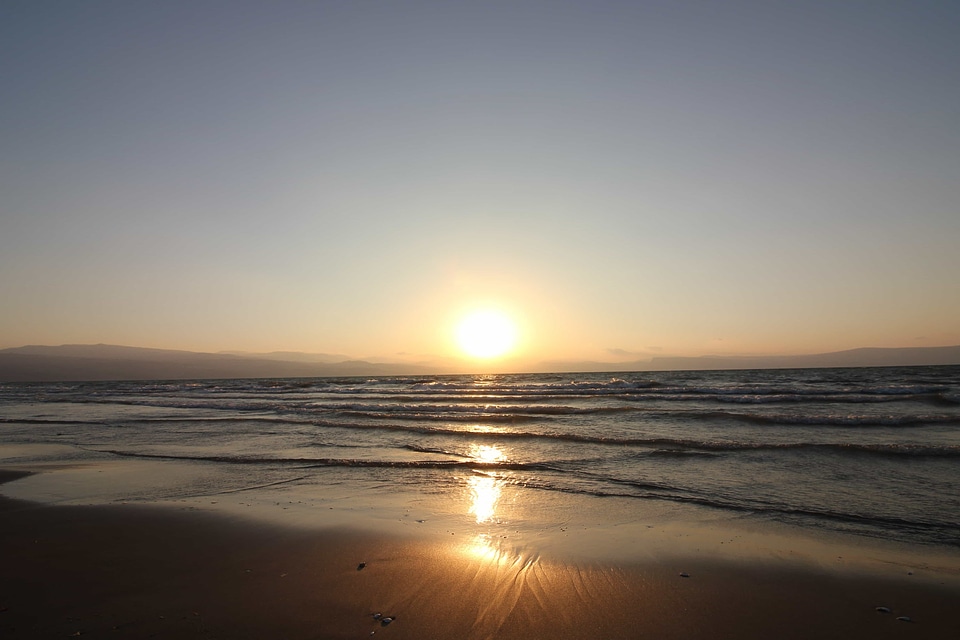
[88,363]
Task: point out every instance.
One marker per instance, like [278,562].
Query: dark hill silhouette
[112,362]
[77,362]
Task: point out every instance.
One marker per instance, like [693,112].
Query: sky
[622,179]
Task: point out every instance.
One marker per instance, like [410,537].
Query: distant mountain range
[864,357]
[77,362]
[82,362]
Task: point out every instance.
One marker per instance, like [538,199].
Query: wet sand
[126,571]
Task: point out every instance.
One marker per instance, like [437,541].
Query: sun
[486,333]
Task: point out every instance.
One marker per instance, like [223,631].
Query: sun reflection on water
[486,453]
[481,429]
[485,489]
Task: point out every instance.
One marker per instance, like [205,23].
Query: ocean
[871,452]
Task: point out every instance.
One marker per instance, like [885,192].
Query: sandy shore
[129,571]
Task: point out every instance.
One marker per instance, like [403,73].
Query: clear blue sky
[622,178]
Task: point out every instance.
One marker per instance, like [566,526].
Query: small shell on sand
[386,621]
[377,616]
[904,619]
[883,609]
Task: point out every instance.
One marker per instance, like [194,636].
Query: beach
[480,320]
[751,504]
[137,571]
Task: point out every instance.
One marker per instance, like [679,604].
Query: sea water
[871,452]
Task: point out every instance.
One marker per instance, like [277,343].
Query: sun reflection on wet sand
[484,548]
[489,546]
[485,493]
[491,550]
[503,580]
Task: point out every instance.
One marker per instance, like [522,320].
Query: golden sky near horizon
[621,180]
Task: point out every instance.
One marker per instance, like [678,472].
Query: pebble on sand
[684,574]
[904,619]
[361,566]
[883,609]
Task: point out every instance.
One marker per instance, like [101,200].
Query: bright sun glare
[486,334]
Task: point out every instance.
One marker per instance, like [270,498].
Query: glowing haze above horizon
[618,180]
